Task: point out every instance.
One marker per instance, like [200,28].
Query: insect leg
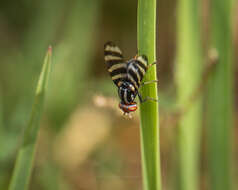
[149,82]
[154,63]
[146,99]
[152,81]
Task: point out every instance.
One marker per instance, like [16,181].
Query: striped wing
[116,65]
[136,70]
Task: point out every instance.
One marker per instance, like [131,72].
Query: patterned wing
[116,65]
[136,70]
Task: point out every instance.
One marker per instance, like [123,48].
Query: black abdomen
[136,70]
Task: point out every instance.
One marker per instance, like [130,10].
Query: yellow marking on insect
[133,81]
[132,67]
[117,66]
[119,83]
[112,57]
[138,76]
[132,87]
[142,60]
[141,69]
[123,75]
[113,49]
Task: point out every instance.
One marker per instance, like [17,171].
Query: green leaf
[24,162]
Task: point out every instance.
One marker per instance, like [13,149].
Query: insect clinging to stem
[127,76]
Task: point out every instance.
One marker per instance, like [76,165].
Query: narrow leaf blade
[24,162]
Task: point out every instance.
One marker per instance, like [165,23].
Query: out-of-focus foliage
[189,125]
[84,141]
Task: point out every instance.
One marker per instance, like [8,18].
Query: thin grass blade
[24,162]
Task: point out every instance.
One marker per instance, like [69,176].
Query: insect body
[127,75]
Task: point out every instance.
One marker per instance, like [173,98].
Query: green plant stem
[220,98]
[188,77]
[149,112]
[24,162]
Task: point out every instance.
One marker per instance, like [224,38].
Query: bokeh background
[84,142]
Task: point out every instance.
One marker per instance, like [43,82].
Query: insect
[127,76]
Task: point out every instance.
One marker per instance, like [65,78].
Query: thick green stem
[220,98]
[188,77]
[149,110]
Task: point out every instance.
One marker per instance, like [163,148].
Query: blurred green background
[84,142]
